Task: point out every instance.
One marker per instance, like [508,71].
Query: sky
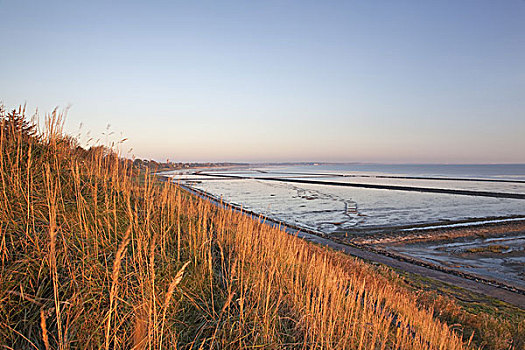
[339,81]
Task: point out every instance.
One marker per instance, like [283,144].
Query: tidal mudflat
[327,208]
[500,257]
[436,228]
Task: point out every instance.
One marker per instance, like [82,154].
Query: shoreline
[478,284]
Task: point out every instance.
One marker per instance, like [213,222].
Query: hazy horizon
[270,162]
[412,82]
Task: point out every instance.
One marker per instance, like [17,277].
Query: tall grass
[95,255]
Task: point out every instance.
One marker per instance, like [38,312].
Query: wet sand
[495,252]
[488,287]
[429,232]
[461,192]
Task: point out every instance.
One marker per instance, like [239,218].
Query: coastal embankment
[97,253]
[489,287]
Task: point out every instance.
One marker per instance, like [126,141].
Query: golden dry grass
[95,256]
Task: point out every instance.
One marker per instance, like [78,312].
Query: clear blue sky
[376,81]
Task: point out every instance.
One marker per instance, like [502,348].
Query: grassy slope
[95,256]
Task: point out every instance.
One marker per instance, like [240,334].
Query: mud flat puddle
[500,258]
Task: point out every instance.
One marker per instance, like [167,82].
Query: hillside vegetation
[94,254]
